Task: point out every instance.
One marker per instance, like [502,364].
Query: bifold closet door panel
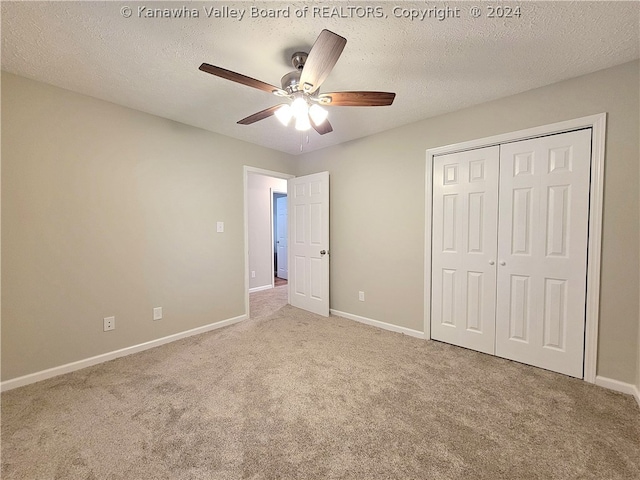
[542,251]
[464,244]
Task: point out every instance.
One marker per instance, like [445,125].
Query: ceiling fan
[301,87]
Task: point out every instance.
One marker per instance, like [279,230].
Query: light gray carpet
[292,395]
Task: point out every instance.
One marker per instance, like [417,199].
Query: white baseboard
[378,324]
[105,357]
[618,386]
[257,289]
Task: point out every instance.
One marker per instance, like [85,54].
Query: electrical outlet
[253,274]
[220,227]
[361,296]
[157,313]
[109,323]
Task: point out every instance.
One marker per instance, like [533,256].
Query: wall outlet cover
[109,323]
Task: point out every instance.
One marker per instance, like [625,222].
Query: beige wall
[110,211]
[377,214]
[259,222]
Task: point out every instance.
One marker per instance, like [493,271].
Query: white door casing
[281,236]
[542,251]
[465,202]
[309,242]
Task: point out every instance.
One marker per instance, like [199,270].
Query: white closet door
[542,251]
[465,202]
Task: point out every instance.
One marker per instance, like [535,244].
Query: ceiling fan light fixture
[300,111]
[284,114]
[302,123]
[318,114]
[300,107]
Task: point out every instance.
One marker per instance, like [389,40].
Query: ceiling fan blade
[322,58]
[324,127]
[239,78]
[356,99]
[261,115]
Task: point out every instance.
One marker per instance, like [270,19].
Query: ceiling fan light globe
[302,123]
[284,114]
[318,114]
[300,108]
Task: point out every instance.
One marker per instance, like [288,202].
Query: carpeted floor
[289,394]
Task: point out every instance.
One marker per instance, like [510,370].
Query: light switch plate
[220,227]
[157,313]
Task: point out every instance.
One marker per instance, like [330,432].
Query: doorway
[307,237]
[259,188]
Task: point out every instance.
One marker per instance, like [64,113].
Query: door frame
[598,125]
[246,170]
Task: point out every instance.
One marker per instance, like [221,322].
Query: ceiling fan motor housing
[291,81]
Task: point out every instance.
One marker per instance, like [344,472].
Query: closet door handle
[503,263]
[491,262]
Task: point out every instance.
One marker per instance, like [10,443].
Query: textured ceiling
[435,66]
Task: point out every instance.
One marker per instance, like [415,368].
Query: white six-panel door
[509,250]
[542,251]
[465,209]
[309,242]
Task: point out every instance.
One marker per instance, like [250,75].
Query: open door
[281,236]
[309,242]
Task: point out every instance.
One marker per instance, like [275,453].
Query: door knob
[491,262]
[503,263]
[323,252]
